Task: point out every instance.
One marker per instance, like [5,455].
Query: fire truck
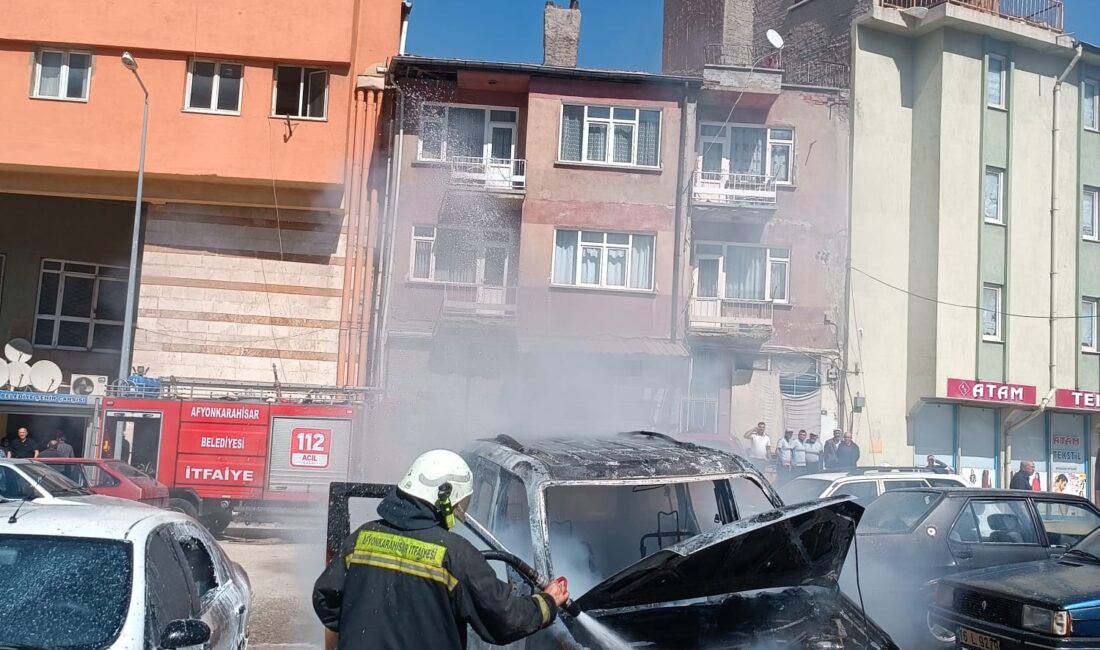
[226,448]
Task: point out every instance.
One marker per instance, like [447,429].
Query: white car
[865,483]
[79,575]
[23,478]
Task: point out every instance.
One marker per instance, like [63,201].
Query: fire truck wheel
[184,506]
[216,523]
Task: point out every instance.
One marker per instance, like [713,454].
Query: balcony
[745,321]
[506,175]
[733,196]
[1047,14]
[478,300]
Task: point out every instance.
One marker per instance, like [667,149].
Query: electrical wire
[279,231]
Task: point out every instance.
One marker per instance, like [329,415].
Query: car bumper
[1009,638]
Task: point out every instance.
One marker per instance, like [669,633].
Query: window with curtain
[756,150]
[1091,105]
[447,131]
[62,74]
[603,259]
[458,255]
[781,150]
[610,135]
[991,312]
[745,273]
[740,272]
[995,82]
[747,150]
[1088,324]
[1090,213]
[993,193]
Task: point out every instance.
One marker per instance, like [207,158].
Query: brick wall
[815,31]
[220,301]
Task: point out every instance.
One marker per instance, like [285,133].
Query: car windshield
[1090,545]
[63,592]
[598,530]
[51,479]
[897,512]
[801,490]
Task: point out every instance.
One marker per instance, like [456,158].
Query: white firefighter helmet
[434,468]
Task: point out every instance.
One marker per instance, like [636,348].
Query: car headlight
[1039,619]
[945,596]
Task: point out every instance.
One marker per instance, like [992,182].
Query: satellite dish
[3,373]
[19,374]
[775,39]
[46,376]
[18,351]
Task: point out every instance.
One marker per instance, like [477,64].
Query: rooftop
[402,65]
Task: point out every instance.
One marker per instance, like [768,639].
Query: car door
[218,602]
[992,532]
[1064,523]
[168,590]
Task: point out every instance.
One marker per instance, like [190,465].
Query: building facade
[256,208]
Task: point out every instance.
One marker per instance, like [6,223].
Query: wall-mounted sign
[43,398]
[310,447]
[1077,399]
[990,391]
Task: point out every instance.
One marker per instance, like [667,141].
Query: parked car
[1043,604]
[866,483]
[117,576]
[910,537]
[112,478]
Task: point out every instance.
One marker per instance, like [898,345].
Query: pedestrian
[1021,480]
[785,456]
[24,445]
[829,456]
[847,452]
[407,581]
[814,450]
[759,446]
[935,464]
[63,446]
[51,450]
[5,447]
[799,454]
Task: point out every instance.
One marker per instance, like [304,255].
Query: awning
[603,345]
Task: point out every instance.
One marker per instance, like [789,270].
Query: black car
[1044,604]
[908,538]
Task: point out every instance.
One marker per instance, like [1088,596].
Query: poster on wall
[978,474]
[1067,455]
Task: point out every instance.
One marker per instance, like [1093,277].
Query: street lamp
[135,242]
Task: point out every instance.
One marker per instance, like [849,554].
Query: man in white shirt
[814,451]
[785,450]
[799,454]
[759,446]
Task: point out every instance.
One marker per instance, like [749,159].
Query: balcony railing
[733,188]
[1044,13]
[750,319]
[743,56]
[822,74]
[479,300]
[699,415]
[493,174]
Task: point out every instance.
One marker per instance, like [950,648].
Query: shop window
[1068,452]
[80,306]
[1031,442]
[978,444]
[935,434]
[300,92]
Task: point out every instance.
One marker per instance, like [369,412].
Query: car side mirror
[184,633]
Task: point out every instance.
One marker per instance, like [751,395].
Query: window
[889,485]
[1090,109]
[481,257]
[1090,213]
[864,491]
[452,131]
[300,92]
[993,195]
[780,153]
[80,306]
[62,74]
[752,150]
[749,497]
[97,477]
[610,135]
[994,522]
[995,82]
[735,272]
[1088,324]
[1065,523]
[201,565]
[991,312]
[167,593]
[603,259]
[898,512]
[214,86]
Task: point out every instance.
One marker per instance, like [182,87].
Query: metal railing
[699,415]
[1044,13]
[499,174]
[822,74]
[479,299]
[743,56]
[748,319]
[233,390]
[730,188]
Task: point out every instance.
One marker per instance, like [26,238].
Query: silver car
[92,575]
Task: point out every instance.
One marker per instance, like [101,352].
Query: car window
[749,497]
[71,471]
[898,512]
[97,477]
[513,519]
[864,491]
[801,490]
[167,587]
[127,470]
[482,499]
[1065,523]
[901,484]
[994,522]
[12,484]
[944,482]
[201,564]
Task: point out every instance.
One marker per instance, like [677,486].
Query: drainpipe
[388,240]
[1054,220]
[677,253]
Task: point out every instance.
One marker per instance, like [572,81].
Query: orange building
[257,202]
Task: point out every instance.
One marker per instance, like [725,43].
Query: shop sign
[990,391]
[42,398]
[1067,455]
[1077,399]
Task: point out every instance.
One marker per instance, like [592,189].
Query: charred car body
[670,545]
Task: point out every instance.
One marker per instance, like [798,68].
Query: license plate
[971,639]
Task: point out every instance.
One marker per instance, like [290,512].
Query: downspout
[677,254]
[389,239]
[1055,131]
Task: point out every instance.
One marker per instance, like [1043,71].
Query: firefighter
[406,581]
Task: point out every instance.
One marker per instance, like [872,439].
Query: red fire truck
[223,448]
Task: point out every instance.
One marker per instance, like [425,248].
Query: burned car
[668,545]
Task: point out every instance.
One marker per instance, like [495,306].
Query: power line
[960,305]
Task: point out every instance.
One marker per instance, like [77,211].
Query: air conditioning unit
[90,385]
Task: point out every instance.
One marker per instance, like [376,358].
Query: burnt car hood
[788,547]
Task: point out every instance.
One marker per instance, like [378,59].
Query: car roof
[95,520]
[962,492]
[875,474]
[16,461]
[636,454]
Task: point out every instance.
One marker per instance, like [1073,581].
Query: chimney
[561,34]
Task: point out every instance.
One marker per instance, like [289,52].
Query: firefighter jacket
[406,582]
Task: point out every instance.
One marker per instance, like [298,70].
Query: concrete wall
[689,26]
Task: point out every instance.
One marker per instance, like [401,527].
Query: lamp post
[135,243]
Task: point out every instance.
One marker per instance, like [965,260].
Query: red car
[112,478]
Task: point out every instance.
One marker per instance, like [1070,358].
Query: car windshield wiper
[1079,553]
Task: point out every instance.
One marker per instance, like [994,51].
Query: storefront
[45,415]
